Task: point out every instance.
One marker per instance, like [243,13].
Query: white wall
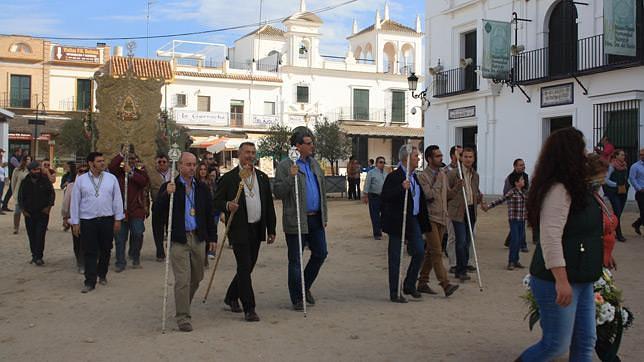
[62,85]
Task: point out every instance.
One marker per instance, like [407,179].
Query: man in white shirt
[96,212]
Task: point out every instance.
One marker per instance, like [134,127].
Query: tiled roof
[267,30]
[20,124]
[258,78]
[143,67]
[383,131]
[389,26]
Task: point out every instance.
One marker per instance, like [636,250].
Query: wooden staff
[294,156]
[243,173]
[409,150]
[175,155]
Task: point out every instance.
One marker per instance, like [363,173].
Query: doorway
[553,124]
[236,113]
[562,39]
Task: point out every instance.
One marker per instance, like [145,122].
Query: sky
[127,18]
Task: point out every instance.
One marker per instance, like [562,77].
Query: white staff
[469,221]
[409,150]
[175,155]
[294,155]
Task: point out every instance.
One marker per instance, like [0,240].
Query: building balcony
[561,61]
[10,102]
[359,114]
[456,81]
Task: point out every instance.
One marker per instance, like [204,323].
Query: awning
[382,131]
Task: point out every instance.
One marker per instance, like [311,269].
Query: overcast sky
[125,18]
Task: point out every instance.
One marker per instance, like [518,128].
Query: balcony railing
[242,66]
[359,114]
[406,69]
[267,66]
[455,81]
[6,101]
[587,57]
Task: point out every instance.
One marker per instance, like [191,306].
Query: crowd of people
[106,204]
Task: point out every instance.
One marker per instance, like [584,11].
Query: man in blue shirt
[636,178]
[313,214]
[371,195]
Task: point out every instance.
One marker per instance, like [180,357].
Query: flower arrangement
[612,318]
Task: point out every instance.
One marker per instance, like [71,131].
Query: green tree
[73,138]
[331,143]
[169,133]
[276,143]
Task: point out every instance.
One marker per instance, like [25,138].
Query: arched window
[303,50]
[20,48]
[389,52]
[562,38]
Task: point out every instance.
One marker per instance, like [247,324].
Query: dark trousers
[131,230]
[316,240]
[7,197]
[158,232]
[36,225]
[246,252]
[640,204]
[618,202]
[375,214]
[354,188]
[96,240]
[415,248]
[463,241]
[78,251]
[517,230]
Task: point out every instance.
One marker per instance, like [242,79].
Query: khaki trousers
[433,257]
[187,266]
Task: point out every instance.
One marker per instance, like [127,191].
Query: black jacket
[36,194]
[227,190]
[393,196]
[206,227]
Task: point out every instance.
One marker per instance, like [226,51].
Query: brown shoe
[251,316]
[449,289]
[424,288]
[185,326]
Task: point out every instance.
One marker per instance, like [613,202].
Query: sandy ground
[43,315]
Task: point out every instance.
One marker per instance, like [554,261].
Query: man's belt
[312,213]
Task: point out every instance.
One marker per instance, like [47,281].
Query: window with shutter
[269,108]
[361,104]
[398,106]
[203,103]
[20,95]
[180,100]
[302,94]
[83,94]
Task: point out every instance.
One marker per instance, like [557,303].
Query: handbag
[621,189]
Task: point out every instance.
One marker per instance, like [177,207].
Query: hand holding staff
[175,155]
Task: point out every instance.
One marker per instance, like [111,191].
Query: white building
[558,60]
[278,75]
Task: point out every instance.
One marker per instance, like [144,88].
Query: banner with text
[497,38]
[620,29]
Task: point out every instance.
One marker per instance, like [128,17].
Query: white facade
[507,126]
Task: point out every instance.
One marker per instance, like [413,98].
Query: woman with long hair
[19,174]
[616,187]
[568,257]
[204,176]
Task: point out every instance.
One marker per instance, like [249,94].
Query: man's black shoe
[463,277]
[414,293]
[251,316]
[102,281]
[309,298]
[299,306]
[452,269]
[398,299]
[6,209]
[424,288]
[39,262]
[450,289]
[636,226]
[234,305]
[87,289]
[471,268]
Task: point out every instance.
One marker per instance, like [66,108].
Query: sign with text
[557,95]
[76,54]
[497,37]
[463,112]
[620,29]
[264,121]
[201,118]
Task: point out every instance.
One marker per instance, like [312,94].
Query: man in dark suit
[254,219]
[192,225]
[393,195]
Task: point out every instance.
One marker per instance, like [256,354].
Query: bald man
[193,223]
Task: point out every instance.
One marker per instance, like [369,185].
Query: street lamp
[37,122]
[412,80]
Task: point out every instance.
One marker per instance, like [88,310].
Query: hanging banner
[620,27]
[497,40]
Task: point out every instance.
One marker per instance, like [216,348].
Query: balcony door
[361,104]
[470,52]
[236,113]
[562,39]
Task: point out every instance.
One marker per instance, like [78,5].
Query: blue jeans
[375,214]
[415,248]
[463,241]
[133,228]
[517,235]
[316,240]
[564,329]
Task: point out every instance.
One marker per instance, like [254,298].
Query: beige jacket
[455,201]
[156,180]
[434,187]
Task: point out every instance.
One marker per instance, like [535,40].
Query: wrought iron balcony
[359,114]
[456,81]
[562,61]
[9,101]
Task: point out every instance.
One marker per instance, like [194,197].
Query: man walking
[372,190]
[519,171]
[14,162]
[136,211]
[313,211]
[393,194]
[158,177]
[636,178]
[433,182]
[36,199]
[456,208]
[3,175]
[254,219]
[96,212]
[192,225]
[353,178]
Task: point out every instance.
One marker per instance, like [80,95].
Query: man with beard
[36,198]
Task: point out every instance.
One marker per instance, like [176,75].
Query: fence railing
[267,66]
[7,101]
[406,69]
[455,81]
[359,114]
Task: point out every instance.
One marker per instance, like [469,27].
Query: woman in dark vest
[568,256]
[616,187]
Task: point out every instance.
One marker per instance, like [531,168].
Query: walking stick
[404,221]
[243,173]
[469,223]
[294,155]
[174,155]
